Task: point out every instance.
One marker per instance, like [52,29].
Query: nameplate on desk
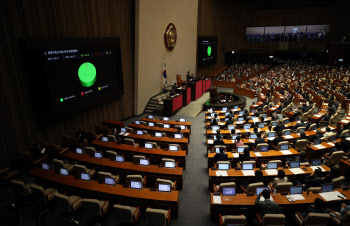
[121,133]
[221,173]
[210,141]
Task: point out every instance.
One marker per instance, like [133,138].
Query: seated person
[219,141]
[328,132]
[268,206]
[280,127]
[259,177]
[281,178]
[269,129]
[278,139]
[302,136]
[238,142]
[222,156]
[229,121]
[215,122]
[317,207]
[314,180]
[318,135]
[345,144]
[245,156]
[259,140]
[333,173]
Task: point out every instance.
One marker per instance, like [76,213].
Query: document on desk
[286,152]
[319,146]
[288,137]
[316,167]
[251,141]
[210,141]
[248,172]
[296,170]
[126,134]
[265,120]
[221,123]
[296,197]
[263,199]
[347,118]
[331,144]
[235,155]
[271,171]
[255,105]
[217,199]
[255,120]
[333,195]
[221,173]
[213,131]
[257,154]
[121,133]
[345,121]
[271,138]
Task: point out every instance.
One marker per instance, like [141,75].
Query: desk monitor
[144,162]
[227,113]
[110,181]
[151,124]
[183,127]
[252,111]
[158,134]
[284,147]
[264,149]
[119,158]
[316,162]
[224,108]
[169,164]
[214,128]
[122,130]
[105,139]
[226,119]
[139,132]
[230,127]
[341,60]
[137,122]
[235,107]
[247,166]
[167,126]
[253,136]
[295,190]
[164,187]
[301,130]
[295,164]
[165,118]
[286,121]
[234,136]
[151,117]
[317,141]
[241,112]
[259,190]
[287,132]
[271,135]
[229,191]
[272,165]
[148,145]
[173,148]
[98,155]
[79,150]
[64,172]
[85,176]
[240,119]
[178,136]
[182,120]
[246,126]
[326,187]
[274,123]
[240,149]
[45,166]
[217,150]
[261,125]
[264,116]
[223,166]
[212,114]
[136,184]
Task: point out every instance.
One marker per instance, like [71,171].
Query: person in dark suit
[280,127]
[309,123]
[222,156]
[268,206]
[314,180]
[299,124]
[179,131]
[245,156]
[229,121]
[214,122]
[317,207]
[345,145]
[278,139]
[219,141]
[259,140]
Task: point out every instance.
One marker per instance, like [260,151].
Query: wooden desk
[172,105]
[314,152]
[111,123]
[167,131]
[129,151]
[125,168]
[344,168]
[128,195]
[172,123]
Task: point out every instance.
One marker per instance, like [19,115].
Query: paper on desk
[317,115]
[257,153]
[345,121]
[296,197]
[213,131]
[316,167]
[221,173]
[348,138]
[296,170]
[121,133]
[270,138]
[288,137]
[265,120]
[331,144]
[255,120]
[263,199]
[208,117]
[210,142]
[323,129]
[319,146]
[330,196]
[286,152]
[271,171]
[255,105]
[239,122]
[251,141]
[248,172]
[217,199]
[221,123]
[235,155]
[126,134]
[347,118]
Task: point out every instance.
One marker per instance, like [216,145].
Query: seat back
[254,163]
[283,187]
[219,146]
[159,124]
[300,145]
[273,219]
[136,159]
[285,130]
[154,144]
[226,185]
[167,160]
[78,169]
[234,220]
[313,127]
[337,182]
[63,203]
[130,178]
[281,143]
[124,214]
[111,155]
[90,151]
[279,162]
[300,128]
[102,175]
[92,207]
[111,138]
[178,146]
[156,217]
[19,188]
[261,145]
[38,193]
[58,164]
[129,141]
[129,129]
[317,219]
[336,157]
[252,187]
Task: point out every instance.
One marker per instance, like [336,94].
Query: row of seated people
[69,204]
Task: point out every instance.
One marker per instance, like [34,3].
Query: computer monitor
[64,172]
[214,128]
[264,116]
[139,132]
[122,130]
[144,162]
[284,147]
[150,116]
[217,150]
[229,191]
[223,166]
[253,136]
[287,132]
[226,119]
[286,121]
[79,150]
[173,148]
[158,134]
[327,187]
[240,119]
[241,112]
[119,158]
[235,107]
[252,111]
[224,108]
[167,126]
[148,145]
[295,190]
[151,124]
[271,135]
[234,136]
[98,155]
[212,114]
[85,176]
[137,122]
[259,190]
[136,184]
[261,125]
[264,149]
[230,127]
[105,139]
[168,164]
[274,123]
[182,120]
[341,60]
[227,113]
[164,187]
[183,127]
[165,118]
[110,181]
[45,166]
[316,162]
[294,164]
[247,166]
[246,126]
[178,136]
[240,149]
[317,141]
[272,165]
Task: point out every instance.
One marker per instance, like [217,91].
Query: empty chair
[144,132]
[111,138]
[136,159]
[20,189]
[67,204]
[78,169]
[252,187]
[334,159]
[139,178]
[111,155]
[94,207]
[154,144]
[314,189]
[42,195]
[337,182]
[282,143]
[285,120]
[129,141]
[143,123]
[300,145]
[159,124]
[102,175]
[164,181]
[273,122]
[283,187]
[226,220]
[157,217]
[129,129]
[320,219]
[345,132]
[126,214]
[313,127]
[58,164]
[219,188]
[300,128]
[272,219]
[279,162]
[90,151]
[254,163]
[167,160]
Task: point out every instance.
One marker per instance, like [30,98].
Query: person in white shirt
[281,178]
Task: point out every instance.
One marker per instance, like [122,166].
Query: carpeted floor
[195,107]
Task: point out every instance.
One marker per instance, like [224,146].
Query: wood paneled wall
[57,18]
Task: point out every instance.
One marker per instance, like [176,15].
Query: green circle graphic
[87,74]
[209,50]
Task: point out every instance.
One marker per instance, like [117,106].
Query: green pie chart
[209,50]
[87,74]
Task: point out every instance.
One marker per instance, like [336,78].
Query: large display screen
[207,51]
[67,76]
